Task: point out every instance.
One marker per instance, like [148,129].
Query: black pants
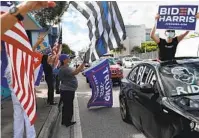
[67,98]
[49,81]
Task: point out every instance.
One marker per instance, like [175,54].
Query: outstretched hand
[157,16]
[36,5]
[197,15]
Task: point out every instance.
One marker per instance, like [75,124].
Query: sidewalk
[43,112]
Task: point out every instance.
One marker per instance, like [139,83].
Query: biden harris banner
[99,78]
[177,17]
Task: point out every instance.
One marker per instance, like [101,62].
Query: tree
[49,16]
[67,50]
[136,49]
[149,46]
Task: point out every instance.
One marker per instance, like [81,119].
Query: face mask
[170,34]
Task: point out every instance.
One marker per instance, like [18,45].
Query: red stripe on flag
[16,30]
[16,79]
[16,44]
[22,76]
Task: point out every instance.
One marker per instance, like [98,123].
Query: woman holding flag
[68,87]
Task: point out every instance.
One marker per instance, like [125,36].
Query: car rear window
[180,79]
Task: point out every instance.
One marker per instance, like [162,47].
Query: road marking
[77,126]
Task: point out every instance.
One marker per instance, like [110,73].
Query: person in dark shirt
[167,47]
[47,62]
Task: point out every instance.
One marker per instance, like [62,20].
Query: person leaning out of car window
[167,47]
[68,86]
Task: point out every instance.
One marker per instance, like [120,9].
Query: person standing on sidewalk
[47,62]
[167,47]
[68,87]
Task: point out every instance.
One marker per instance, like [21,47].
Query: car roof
[179,60]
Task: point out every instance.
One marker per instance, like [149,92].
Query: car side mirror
[147,88]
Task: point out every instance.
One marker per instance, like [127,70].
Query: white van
[188,48]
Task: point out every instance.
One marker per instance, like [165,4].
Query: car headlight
[194,126]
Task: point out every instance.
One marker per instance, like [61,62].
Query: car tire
[124,110]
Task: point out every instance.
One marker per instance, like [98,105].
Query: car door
[132,97]
[147,102]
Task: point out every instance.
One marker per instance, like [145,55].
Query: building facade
[148,31]
[136,34]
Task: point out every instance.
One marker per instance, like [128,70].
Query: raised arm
[180,37]
[8,20]
[78,69]
[152,35]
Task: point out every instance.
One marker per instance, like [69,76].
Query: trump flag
[99,78]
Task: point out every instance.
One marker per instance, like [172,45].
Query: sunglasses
[171,31]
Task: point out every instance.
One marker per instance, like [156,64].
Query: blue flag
[99,78]
[5,91]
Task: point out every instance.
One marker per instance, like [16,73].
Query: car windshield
[135,59]
[180,79]
[111,61]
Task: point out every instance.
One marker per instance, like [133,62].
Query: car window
[146,75]
[143,74]
[111,61]
[133,75]
[135,59]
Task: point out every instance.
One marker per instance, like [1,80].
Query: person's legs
[57,83]
[30,130]
[18,117]
[49,82]
[64,109]
[70,108]
[48,85]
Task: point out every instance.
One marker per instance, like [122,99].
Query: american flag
[22,64]
[57,48]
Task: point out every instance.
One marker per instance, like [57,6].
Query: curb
[49,123]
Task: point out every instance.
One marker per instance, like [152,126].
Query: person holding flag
[168,46]
[24,105]
[68,86]
[48,62]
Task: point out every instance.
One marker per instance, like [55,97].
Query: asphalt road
[97,123]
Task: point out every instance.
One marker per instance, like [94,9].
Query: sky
[75,30]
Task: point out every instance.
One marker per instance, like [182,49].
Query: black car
[162,98]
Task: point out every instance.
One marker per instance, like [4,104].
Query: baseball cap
[62,57]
